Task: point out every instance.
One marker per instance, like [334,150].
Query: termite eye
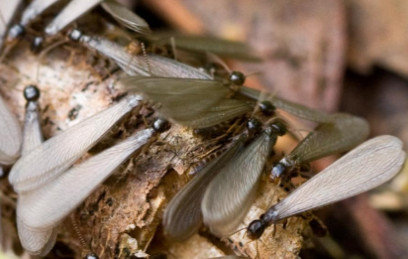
[161,125]
[16,31]
[253,126]
[279,128]
[31,93]
[237,78]
[267,108]
[75,35]
[91,256]
[36,44]
[255,229]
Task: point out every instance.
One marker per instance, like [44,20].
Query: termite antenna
[142,45]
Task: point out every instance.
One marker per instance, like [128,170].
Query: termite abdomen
[237,78]
[31,93]
[161,125]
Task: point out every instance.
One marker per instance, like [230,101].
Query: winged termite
[45,207]
[191,102]
[58,153]
[34,9]
[365,167]
[183,215]
[196,202]
[203,44]
[72,11]
[126,17]
[7,12]
[335,133]
[229,196]
[10,135]
[136,64]
[34,242]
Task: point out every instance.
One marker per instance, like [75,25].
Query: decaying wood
[123,216]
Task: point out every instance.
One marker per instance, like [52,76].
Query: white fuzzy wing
[365,167]
[35,8]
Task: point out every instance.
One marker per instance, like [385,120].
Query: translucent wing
[344,133]
[32,136]
[38,242]
[126,17]
[367,166]
[182,216]
[71,12]
[35,8]
[150,65]
[223,111]
[10,135]
[47,206]
[221,47]
[34,242]
[7,11]
[229,196]
[58,153]
[293,108]
[186,100]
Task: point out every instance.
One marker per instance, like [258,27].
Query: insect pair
[44,175]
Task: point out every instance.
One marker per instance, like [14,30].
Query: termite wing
[7,11]
[126,17]
[194,103]
[365,167]
[58,153]
[71,12]
[335,133]
[45,207]
[10,135]
[34,242]
[231,178]
[149,65]
[202,44]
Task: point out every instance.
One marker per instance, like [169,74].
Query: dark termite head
[31,93]
[16,31]
[75,35]
[278,127]
[36,44]
[161,125]
[255,229]
[267,108]
[237,78]
[91,256]
[253,126]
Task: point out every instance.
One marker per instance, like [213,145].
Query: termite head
[278,127]
[255,229]
[237,78]
[75,35]
[36,44]
[16,31]
[267,108]
[91,256]
[253,126]
[31,93]
[161,125]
